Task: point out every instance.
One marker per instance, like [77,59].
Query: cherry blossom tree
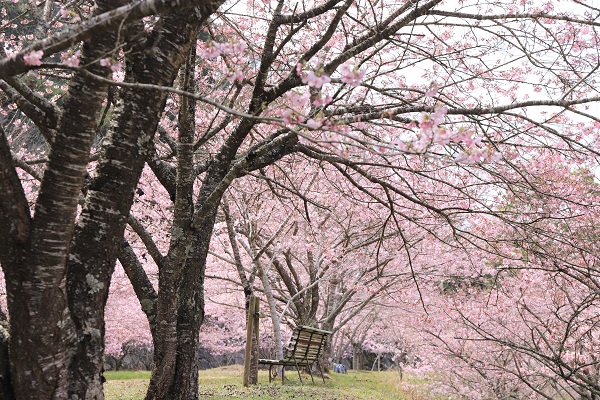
[529,326]
[317,264]
[432,110]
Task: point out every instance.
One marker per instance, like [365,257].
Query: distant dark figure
[340,369]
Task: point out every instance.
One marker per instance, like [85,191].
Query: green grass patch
[126,375]
[126,385]
[226,383]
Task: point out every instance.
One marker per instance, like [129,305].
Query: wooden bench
[304,350]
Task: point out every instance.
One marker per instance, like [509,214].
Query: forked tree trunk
[178,379]
[136,117]
[43,338]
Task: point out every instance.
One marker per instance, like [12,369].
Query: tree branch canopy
[99,24]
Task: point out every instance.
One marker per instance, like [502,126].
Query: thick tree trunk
[125,149]
[6,392]
[357,356]
[42,335]
[178,379]
[15,217]
[57,327]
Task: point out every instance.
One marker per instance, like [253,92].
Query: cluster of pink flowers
[322,99]
[351,75]
[432,91]
[432,134]
[315,79]
[33,58]
[215,49]
[298,100]
[476,155]
[111,63]
[296,104]
[430,124]
[289,116]
[314,123]
[71,59]
[65,13]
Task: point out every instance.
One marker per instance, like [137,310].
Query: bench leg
[310,372]
[321,371]
[299,373]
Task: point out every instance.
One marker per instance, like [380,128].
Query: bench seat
[304,350]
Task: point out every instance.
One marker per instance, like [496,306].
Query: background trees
[432,116]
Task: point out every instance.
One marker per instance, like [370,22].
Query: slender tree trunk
[272,311]
[175,372]
[252,374]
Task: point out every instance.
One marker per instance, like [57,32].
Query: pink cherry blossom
[351,75]
[322,100]
[432,91]
[426,123]
[111,63]
[289,116]
[439,114]
[71,60]
[116,66]
[315,80]
[33,58]
[235,76]
[215,49]
[210,52]
[298,101]
[314,123]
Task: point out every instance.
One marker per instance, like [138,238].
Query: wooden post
[256,326]
[253,371]
[250,359]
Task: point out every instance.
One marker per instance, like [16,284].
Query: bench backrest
[306,345]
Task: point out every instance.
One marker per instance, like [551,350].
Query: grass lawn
[226,383]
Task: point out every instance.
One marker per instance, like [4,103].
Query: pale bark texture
[251,364]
